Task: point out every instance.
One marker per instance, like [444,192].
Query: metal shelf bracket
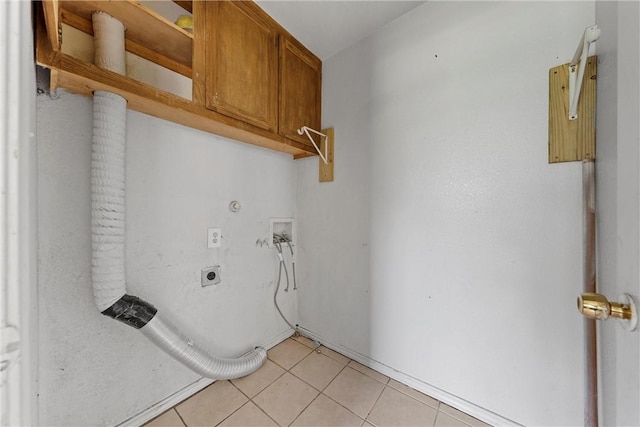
[576,73]
[305,130]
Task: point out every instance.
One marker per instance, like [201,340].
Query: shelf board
[148,34]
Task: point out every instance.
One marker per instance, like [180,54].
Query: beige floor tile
[334,355]
[355,391]
[248,416]
[325,412]
[259,380]
[369,372]
[444,420]
[168,419]
[366,424]
[413,393]
[304,340]
[288,353]
[397,409]
[317,370]
[285,399]
[467,419]
[211,405]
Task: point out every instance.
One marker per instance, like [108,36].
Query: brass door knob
[597,306]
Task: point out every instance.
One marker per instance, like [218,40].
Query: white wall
[97,371]
[618,188]
[447,249]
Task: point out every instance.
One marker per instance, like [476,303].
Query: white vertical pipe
[108,43]
[108,169]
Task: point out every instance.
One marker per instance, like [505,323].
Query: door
[300,90]
[242,63]
[18,251]
[618,204]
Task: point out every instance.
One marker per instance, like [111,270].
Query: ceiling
[327,27]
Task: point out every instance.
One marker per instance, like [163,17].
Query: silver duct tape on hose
[176,344]
[108,224]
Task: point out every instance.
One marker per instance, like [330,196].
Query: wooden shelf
[148,34]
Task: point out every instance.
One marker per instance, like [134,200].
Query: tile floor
[299,386]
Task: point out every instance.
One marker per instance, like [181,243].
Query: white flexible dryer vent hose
[108,224]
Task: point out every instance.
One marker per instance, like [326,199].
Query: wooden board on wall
[326,169]
[572,140]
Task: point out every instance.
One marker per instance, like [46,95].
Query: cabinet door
[300,90]
[242,64]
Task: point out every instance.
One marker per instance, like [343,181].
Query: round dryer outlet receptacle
[210,276]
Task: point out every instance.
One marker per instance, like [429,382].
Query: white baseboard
[439,394]
[166,403]
[170,401]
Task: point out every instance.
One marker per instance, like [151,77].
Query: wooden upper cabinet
[300,90]
[242,63]
[252,81]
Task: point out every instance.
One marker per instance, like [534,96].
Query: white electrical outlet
[214,237]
